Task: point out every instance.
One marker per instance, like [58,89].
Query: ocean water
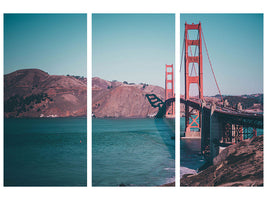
[45,152]
[190,152]
[132,152]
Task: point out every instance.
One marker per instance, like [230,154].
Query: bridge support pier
[216,133]
[193,134]
[211,133]
[193,129]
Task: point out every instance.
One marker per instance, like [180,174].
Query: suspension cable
[211,66]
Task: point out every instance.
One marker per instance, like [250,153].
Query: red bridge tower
[169,90]
[198,79]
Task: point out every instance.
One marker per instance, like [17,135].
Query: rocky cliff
[122,100]
[35,93]
[237,165]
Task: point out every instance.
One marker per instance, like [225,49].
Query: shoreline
[131,118]
[70,117]
[171,184]
[239,164]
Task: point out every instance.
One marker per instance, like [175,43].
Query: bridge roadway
[220,126]
[249,119]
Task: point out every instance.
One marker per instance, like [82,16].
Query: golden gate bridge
[218,125]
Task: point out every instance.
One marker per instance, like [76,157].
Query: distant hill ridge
[35,93]
[114,99]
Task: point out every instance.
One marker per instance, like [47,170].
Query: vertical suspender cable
[211,66]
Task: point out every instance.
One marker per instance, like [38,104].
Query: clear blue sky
[55,43]
[133,47]
[235,46]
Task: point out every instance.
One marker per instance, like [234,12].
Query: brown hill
[35,93]
[100,83]
[116,99]
[238,165]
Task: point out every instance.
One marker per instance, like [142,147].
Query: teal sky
[235,46]
[55,43]
[133,47]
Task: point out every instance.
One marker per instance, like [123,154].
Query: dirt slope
[35,93]
[120,100]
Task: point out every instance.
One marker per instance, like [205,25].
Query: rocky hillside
[35,93]
[122,100]
[237,165]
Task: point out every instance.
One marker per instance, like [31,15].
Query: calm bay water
[132,152]
[45,152]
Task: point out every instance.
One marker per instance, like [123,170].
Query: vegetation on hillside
[246,100]
[77,77]
[21,104]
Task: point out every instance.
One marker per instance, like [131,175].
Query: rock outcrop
[238,165]
[122,100]
[35,93]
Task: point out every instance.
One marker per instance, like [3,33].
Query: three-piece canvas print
[136,96]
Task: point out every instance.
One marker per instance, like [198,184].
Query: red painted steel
[169,88]
[238,122]
[193,79]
